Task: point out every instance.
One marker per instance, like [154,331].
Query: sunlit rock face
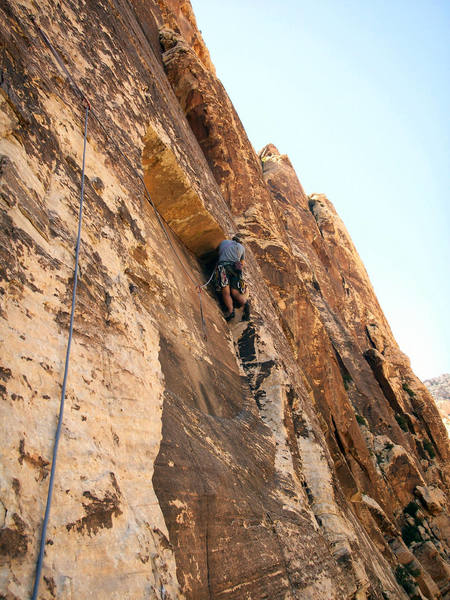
[440,390]
[292,456]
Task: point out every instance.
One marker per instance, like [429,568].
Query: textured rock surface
[294,456]
[440,390]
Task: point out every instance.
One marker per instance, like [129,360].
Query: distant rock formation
[292,456]
[440,390]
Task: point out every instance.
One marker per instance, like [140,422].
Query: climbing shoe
[246,312]
[230,316]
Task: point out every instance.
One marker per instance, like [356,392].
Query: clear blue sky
[357,94]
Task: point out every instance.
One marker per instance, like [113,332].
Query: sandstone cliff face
[440,390]
[294,456]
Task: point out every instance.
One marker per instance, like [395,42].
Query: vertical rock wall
[294,456]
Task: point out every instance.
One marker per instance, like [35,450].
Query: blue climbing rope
[159,218]
[79,92]
[66,371]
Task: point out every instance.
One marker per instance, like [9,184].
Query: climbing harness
[88,110]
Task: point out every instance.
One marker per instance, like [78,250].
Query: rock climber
[228,277]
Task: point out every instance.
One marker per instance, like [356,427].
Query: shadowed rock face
[293,456]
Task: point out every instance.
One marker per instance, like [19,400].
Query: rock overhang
[176,197]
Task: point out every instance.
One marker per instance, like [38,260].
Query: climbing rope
[88,110]
[205,285]
[59,60]
[132,168]
[205,333]
[66,371]
[200,288]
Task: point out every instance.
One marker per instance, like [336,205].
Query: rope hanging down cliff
[199,287]
[66,371]
[80,93]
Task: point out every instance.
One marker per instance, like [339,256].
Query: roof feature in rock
[176,198]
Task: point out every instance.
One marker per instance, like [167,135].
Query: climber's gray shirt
[231,251]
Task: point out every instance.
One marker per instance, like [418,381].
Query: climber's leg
[227,299]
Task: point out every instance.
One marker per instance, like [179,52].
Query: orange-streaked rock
[290,456]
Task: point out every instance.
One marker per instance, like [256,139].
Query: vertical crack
[207,545]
